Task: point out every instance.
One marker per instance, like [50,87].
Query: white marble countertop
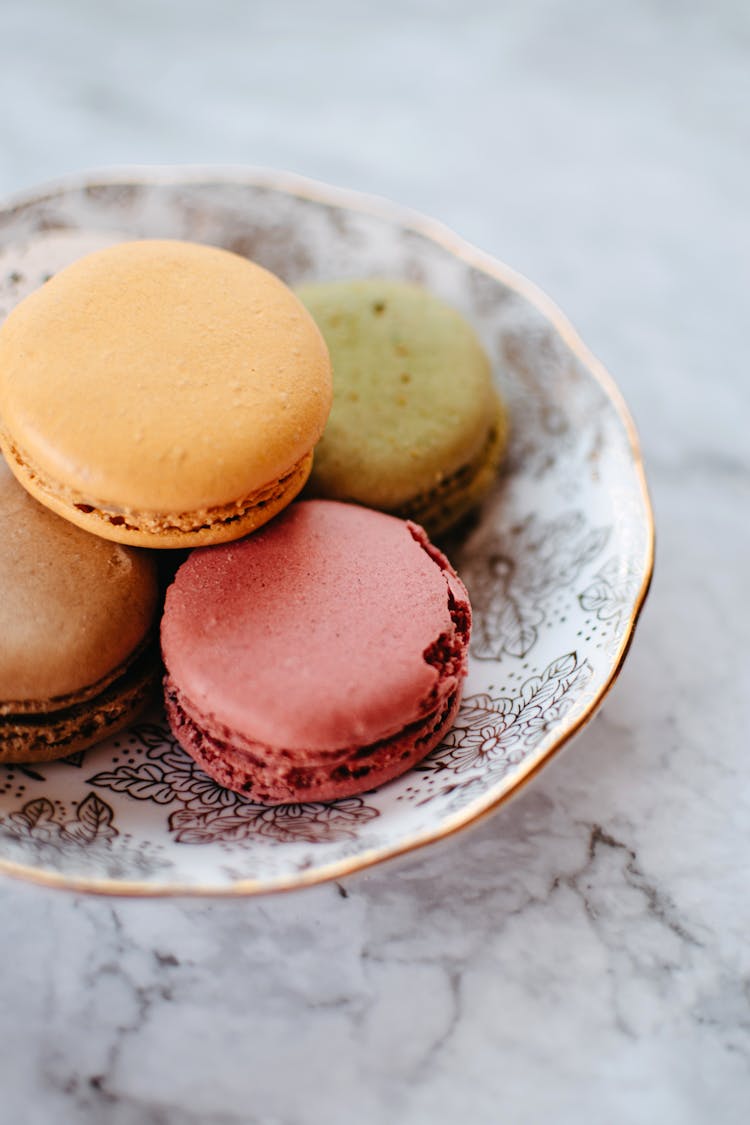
[583,956]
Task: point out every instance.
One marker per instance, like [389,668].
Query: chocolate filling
[45,735]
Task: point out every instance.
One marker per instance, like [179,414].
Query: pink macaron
[320,657]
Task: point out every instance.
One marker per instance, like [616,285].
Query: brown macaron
[77,614]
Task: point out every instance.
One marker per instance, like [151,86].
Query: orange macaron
[163,393]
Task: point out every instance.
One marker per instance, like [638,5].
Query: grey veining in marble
[583,956]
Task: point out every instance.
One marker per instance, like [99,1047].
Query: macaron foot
[270,777]
[43,736]
[171,530]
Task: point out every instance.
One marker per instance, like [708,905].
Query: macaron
[78,651]
[163,394]
[417,427]
[318,658]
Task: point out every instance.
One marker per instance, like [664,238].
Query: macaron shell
[192,378]
[74,607]
[414,400]
[311,634]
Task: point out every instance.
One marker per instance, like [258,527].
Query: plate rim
[304,187]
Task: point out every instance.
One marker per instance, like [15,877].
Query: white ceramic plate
[558,563]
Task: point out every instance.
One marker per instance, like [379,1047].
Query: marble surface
[583,955]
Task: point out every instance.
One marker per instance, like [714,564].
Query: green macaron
[417,428]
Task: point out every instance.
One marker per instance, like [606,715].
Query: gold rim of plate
[476,811]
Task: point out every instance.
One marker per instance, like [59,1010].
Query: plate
[557,562]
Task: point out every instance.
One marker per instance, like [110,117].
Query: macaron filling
[172,524]
[40,735]
[271,776]
[456,494]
